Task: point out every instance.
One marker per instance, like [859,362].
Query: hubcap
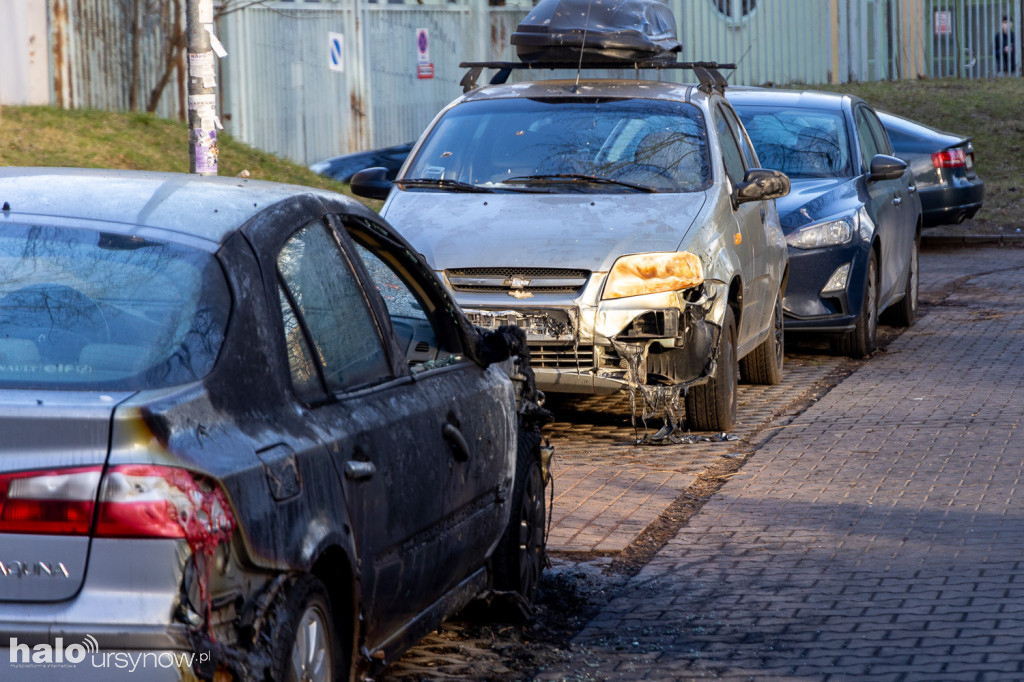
[311,657]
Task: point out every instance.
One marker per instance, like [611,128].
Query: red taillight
[951,158]
[135,501]
[48,502]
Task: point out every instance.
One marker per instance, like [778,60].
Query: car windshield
[605,145]
[84,309]
[802,143]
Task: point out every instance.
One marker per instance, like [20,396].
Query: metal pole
[202,98]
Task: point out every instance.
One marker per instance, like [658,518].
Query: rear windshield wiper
[443,183]
[579,177]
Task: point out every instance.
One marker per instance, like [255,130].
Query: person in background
[1006,57]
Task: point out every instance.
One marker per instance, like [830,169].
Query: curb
[970,239]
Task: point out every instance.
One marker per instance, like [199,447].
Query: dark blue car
[852,219]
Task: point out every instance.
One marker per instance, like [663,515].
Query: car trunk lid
[54,447]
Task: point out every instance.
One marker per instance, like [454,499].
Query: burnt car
[246,433]
[944,169]
[625,225]
[342,168]
[853,217]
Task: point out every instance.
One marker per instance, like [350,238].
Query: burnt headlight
[653,273]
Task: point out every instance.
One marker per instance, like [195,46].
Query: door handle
[356,471]
[912,189]
[458,445]
[897,201]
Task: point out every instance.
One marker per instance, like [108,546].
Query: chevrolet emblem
[516,282]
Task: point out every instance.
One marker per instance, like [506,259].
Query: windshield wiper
[579,177]
[443,183]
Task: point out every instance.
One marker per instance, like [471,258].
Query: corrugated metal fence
[280,93]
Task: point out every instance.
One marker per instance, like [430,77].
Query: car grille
[562,357]
[504,280]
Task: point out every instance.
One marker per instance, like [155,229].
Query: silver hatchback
[625,225]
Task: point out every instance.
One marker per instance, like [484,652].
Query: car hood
[813,199]
[579,230]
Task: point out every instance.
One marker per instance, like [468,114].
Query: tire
[904,313]
[712,406]
[520,556]
[304,646]
[860,342]
[764,364]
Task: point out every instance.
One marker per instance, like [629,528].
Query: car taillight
[56,502]
[950,158]
[135,501]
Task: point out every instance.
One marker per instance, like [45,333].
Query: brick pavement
[879,535]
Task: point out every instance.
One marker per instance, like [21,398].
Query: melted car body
[237,414]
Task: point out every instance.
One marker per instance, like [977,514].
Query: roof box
[604,30]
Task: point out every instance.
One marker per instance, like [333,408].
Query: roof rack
[708,74]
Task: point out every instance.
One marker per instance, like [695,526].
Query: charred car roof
[207,208]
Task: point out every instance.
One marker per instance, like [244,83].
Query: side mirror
[372,183]
[885,167]
[760,184]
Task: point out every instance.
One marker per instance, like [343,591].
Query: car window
[425,332]
[301,365]
[882,140]
[660,144]
[88,309]
[749,157]
[865,138]
[326,300]
[802,143]
[731,154]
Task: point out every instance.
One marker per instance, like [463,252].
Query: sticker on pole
[336,54]
[424,67]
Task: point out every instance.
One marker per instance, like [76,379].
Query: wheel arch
[334,568]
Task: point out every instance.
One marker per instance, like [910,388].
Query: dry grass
[45,136]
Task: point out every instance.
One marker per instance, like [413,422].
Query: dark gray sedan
[244,429]
[944,169]
[852,219]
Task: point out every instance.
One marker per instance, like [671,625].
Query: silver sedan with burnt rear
[245,431]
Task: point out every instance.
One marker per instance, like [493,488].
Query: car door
[472,411]
[884,204]
[748,241]
[369,421]
[907,208]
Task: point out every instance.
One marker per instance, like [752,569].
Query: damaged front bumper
[668,339]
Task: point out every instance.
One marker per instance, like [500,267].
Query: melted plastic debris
[675,438]
[664,402]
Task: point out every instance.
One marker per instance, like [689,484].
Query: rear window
[658,144]
[84,309]
[802,143]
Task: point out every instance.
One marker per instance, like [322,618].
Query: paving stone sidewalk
[878,536]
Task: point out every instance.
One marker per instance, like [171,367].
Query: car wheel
[861,341]
[764,364]
[712,406]
[520,556]
[304,646]
[904,313]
